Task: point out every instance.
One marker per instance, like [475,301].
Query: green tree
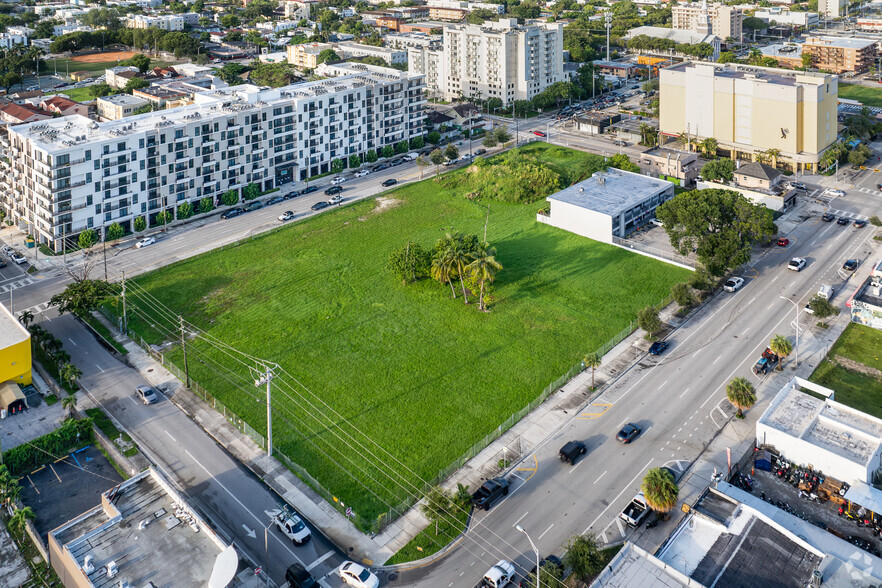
[622,162]
[443,269]
[114,232]
[164,217]
[741,394]
[782,347]
[185,211]
[718,169]
[371,156]
[727,57]
[354,161]
[230,73]
[401,147]
[9,79]
[682,294]
[502,134]
[434,137]
[821,307]
[856,158]
[436,157]
[721,226]
[422,163]
[206,205]
[459,255]
[387,151]
[592,361]
[229,21]
[135,84]
[807,60]
[660,491]
[87,238]
[140,224]
[337,166]
[139,60]
[437,506]
[100,90]
[709,147]
[410,263]
[251,191]
[26,317]
[230,197]
[483,268]
[451,152]
[81,296]
[490,140]
[584,557]
[19,521]
[417,143]
[549,575]
[648,320]
[875,221]
[327,55]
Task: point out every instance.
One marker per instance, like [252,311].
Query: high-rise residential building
[832,8]
[501,59]
[65,175]
[841,54]
[716,19]
[788,117]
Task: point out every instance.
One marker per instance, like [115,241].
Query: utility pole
[104,239]
[184,346]
[607,20]
[267,374]
[125,318]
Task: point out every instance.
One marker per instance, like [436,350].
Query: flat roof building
[866,302]
[678,37]
[15,350]
[118,106]
[716,19]
[841,54]
[608,205]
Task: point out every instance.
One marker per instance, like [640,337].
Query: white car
[288,215]
[292,527]
[362,173]
[733,284]
[656,222]
[336,199]
[8,250]
[337,180]
[356,575]
[796,264]
[18,258]
[145,242]
[834,192]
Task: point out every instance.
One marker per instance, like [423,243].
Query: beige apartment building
[833,8]
[118,106]
[840,54]
[716,19]
[751,110]
[306,56]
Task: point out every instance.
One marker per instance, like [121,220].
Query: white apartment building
[65,175]
[833,8]
[405,41]
[806,20]
[497,8]
[166,22]
[386,53]
[277,26]
[501,59]
[298,9]
[8,41]
[716,19]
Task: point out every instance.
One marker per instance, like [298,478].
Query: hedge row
[48,448]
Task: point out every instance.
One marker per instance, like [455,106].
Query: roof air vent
[112,569]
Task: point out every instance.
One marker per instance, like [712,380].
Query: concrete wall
[771,202]
[578,220]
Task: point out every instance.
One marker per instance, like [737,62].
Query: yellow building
[15,353]
[787,117]
[306,55]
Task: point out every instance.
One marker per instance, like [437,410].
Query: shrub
[71,435]
[185,210]
[140,224]
[205,205]
[517,178]
[114,231]
[230,197]
[682,294]
[874,220]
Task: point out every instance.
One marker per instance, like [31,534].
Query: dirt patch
[857,366]
[384,203]
[103,57]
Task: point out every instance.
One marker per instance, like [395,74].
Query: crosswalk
[869,191]
[848,214]
[16,284]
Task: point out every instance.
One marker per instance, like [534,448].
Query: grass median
[419,373]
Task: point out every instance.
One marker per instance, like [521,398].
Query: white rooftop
[11,331]
[612,191]
[844,42]
[676,35]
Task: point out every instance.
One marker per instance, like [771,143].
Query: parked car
[828,217]
[292,194]
[253,206]
[396,162]
[799,186]
[8,250]
[765,364]
[381,167]
[275,200]
[499,576]
[842,220]
[783,242]
[796,264]
[357,575]
[18,258]
[489,492]
[309,189]
[733,284]
[145,242]
[286,216]
[658,347]
[297,577]
[333,190]
[571,451]
[860,224]
[292,527]
[390,182]
[232,213]
[552,561]
[480,152]
[2,263]
[628,433]
[834,193]
[850,265]
[319,205]
[147,395]
[362,173]
[656,222]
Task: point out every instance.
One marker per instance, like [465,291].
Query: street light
[795,306]
[535,550]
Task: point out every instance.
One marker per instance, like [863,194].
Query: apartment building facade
[751,110]
[833,8]
[405,41]
[387,54]
[495,60]
[716,19]
[65,175]
[306,55]
[841,54]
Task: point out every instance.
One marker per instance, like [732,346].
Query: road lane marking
[72,341]
[99,367]
[319,560]
[570,471]
[662,385]
[684,392]
[172,438]
[545,531]
[697,352]
[717,359]
[773,279]
[520,519]
[619,495]
[600,476]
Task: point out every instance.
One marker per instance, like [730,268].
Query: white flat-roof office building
[66,175]
[609,204]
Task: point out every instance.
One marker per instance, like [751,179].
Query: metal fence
[654,252]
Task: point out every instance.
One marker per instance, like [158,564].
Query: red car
[539,133]
[783,242]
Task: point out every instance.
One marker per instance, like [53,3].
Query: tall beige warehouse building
[716,19]
[750,110]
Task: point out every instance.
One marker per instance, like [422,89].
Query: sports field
[423,375]
[869,96]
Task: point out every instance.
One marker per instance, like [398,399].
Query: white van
[411,156]
[826,292]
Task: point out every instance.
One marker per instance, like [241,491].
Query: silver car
[147,394]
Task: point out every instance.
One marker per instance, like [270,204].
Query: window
[89,153]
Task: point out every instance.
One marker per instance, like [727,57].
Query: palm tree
[459,259]
[782,347]
[483,268]
[52,347]
[660,491]
[741,394]
[26,318]
[592,360]
[20,519]
[709,146]
[773,154]
[61,357]
[69,372]
[443,271]
[755,54]
[69,403]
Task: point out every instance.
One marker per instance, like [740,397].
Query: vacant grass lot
[867,96]
[423,375]
[78,94]
[854,388]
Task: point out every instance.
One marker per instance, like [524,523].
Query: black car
[799,186]
[390,182]
[381,167]
[309,189]
[860,223]
[850,265]
[396,162]
[480,152]
[233,212]
[842,220]
[320,205]
[658,347]
[828,216]
[253,206]
[293,194]
[628,433]
[570,452]
[2,263]
[275,200]
[334,190]
[298,577]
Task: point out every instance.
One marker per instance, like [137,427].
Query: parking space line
[319,560]
[34,486]
[56,473]
[517,522]
[545,531]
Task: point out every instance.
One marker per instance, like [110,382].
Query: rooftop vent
[112,569]
[88,566]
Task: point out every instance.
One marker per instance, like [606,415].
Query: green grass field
[866,95]
[419,373]
[856,389]
[78,94]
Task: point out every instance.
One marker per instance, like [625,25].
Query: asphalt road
[678,400]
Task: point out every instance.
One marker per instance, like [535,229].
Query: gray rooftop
[763,74]
[166,550]
[11,331]
[843,42]
[123,99]
[612,191]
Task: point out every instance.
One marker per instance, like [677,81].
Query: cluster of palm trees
[53,349]
[9,493]
[461,258]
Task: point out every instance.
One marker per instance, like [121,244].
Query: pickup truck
[502,574]
[766,363]
[489,491]
[635,512]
